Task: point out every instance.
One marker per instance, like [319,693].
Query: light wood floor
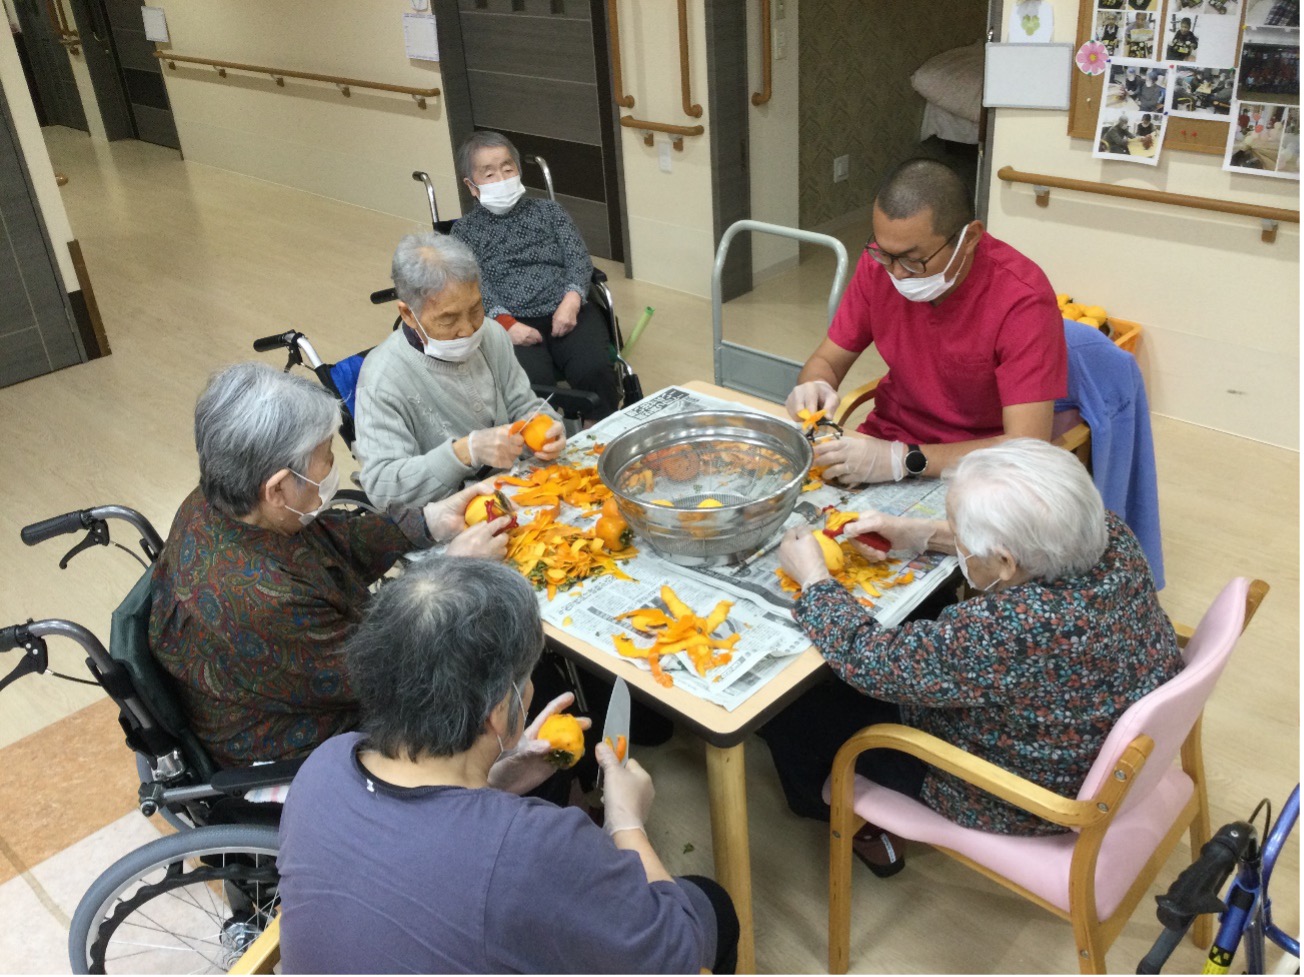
[191,263]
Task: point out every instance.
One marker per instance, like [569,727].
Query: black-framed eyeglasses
[914,266]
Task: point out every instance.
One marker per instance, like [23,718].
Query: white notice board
[419,37]
[1027,76]
[156,24]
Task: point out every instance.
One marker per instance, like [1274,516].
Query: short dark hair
[437,651]
[917,184]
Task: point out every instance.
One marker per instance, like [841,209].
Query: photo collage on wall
[1263,138]
[1193,59]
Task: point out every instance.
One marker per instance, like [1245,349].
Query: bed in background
[951,85]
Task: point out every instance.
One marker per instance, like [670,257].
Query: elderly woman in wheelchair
[260,581]
[1063,633]
[536,271]
[421,812]
[440,399]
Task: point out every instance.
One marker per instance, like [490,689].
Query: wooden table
[722,731]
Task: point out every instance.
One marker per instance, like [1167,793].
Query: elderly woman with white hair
[436,400]
[260,581]
[1064,632]
[407,848]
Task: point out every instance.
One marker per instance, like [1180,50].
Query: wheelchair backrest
[129,647]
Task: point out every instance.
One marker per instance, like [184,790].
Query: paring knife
[615,731]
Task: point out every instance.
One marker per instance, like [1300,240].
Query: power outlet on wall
[841,169]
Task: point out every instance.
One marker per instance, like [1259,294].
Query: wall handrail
[1043,184]
[763,96]
[685,81]
[629,122]
[617,73]
[280,74]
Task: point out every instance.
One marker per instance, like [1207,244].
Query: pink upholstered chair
[1126,820]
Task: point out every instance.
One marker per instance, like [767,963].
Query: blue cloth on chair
[1106,387]
[344,375]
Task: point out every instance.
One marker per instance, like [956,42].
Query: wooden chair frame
[263,954]
[1092,817]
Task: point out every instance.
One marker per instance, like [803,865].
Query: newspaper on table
[762,610]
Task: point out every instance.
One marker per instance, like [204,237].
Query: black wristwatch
[916,463]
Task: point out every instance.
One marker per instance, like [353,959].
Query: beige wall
[671,233]
[307,135]
[14,85]
[857,57]
[773,131]
[1220,308]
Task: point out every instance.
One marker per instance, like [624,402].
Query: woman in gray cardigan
[437,398]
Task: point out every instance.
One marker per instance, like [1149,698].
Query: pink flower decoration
[1092,58]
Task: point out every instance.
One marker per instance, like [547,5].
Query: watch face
[916,462]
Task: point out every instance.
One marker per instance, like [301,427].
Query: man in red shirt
[968,327]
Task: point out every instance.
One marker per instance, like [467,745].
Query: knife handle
[876,540]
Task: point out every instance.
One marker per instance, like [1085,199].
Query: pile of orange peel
[578,487]
[856,571]
[556,556]
[678,630]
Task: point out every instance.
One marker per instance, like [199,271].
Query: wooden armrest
[1074,438]
[1011,788]
[854,400]
[263,954]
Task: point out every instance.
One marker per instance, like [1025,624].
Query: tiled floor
[191,263]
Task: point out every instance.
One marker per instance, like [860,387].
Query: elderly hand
[496,447]
[627,791]
[801,557]
[486,540]
[902,532]
[523,335]
[812,396]
[854,458]
[447,517]
[525,766]
[566,316]
[555,444]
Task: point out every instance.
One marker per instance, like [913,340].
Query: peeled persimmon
[486,508]
[564,735]
[536,432]
[833,557]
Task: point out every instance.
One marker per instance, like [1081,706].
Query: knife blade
[616,729]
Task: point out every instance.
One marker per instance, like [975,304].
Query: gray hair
[1032,499]
[483,139]
[438,649]
[426,263]
[251,421]
[925,184]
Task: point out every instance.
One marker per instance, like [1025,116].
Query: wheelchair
[189,902]
[574,404]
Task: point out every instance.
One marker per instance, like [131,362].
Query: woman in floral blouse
[1063,634]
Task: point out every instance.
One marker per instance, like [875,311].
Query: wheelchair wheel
[187,903]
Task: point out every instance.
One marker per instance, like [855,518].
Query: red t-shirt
[997,340]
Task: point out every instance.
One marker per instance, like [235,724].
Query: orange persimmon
[564,735]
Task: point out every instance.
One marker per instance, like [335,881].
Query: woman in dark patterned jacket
[260,583]
[1063,634]
[534,272]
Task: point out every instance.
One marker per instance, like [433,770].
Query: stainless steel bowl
[662,472]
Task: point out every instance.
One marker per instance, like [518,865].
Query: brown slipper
[883,853]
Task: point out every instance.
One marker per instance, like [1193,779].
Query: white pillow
[953,80]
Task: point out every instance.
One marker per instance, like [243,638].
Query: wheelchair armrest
[572,403]
[240,780]
[598,275]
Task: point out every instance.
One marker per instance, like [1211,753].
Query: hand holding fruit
[855,459]
[523,767]
[802,556]
[815,395]
[497,447]
[487,540]
[902,532]
[627,791]
[446,518]
[543,434]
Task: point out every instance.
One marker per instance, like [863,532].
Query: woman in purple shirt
[407,848]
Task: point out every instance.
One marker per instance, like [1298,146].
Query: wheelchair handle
[10,637]
[384,295]
[283,340]
[69,522]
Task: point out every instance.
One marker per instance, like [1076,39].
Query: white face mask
[502,748]
[932,287]
[498,198]
[964,572]
[451,350]
[326,490]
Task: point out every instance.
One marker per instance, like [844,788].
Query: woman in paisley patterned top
[260,583]
[1063,634]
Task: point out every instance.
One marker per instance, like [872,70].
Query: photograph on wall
[1263,139]
[1140,35]
[1109,31]
[1184,8]
[1130,125]
[1031,22]
[1207,38]
[1136,88]
[1202,93]
[1269,69]
[1272,13]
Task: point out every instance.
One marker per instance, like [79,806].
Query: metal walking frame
[745,368]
